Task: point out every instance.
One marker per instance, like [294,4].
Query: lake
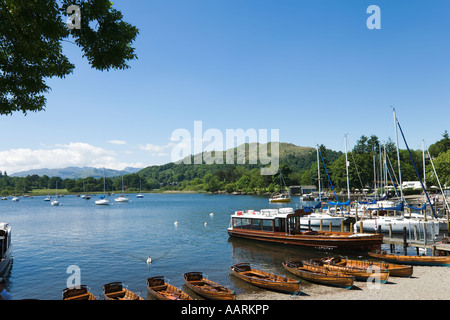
[112,243]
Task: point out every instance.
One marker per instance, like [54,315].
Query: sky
[310,68]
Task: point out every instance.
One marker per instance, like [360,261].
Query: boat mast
[318,173]
[346,167]
[398,158]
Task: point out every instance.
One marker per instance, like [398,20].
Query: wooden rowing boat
[162,290]
[319,275]
[442,261]
[117,291]
[395,270]
[360,274]
[264,279]
[207,288]
[77,293]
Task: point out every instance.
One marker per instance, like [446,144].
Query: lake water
[112,243]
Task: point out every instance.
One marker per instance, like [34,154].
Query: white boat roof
[264,213]
[4,226]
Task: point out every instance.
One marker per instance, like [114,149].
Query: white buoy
[206,224]
[211,214]
[175,223]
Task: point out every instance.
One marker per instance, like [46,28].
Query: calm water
[112,243]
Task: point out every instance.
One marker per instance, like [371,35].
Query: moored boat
[376,274]
[283,226]
[206,288]
[282,197]
[264,279]
[159,288]
[395,270]
[77,293]
[117,291]
[442,261]
[319,275]
[5,247]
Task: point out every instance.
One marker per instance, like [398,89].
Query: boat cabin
[5,246]
[283,220]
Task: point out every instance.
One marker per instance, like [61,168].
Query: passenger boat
[117,291]
[319,275]
[264,279]
[282,197]
[162,290]
[77,293]
[395,270]
[283,226]
[5,247]
[443,261]
[360,274]
[207,288]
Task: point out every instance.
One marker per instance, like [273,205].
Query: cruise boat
[5,247]
[283,226]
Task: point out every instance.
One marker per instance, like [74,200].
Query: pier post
[361,226]
[390,230]
[321,224]
[342,225]
[330,228]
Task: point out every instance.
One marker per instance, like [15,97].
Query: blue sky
[310,68]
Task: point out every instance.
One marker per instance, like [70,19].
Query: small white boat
[121,199]
[140,195]
[55,203]
[15,199]
[280,198]
[102,202]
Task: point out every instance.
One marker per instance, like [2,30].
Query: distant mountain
[76,172]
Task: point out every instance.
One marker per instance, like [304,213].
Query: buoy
[175,223]
[211,214]
[149,260]
[206,224]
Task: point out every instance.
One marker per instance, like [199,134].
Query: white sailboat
[140,195]
[122,197]
[55,202]
[103,201]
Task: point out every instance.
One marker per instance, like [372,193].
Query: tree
[31,35]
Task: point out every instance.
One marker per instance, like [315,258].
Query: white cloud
[117,141]
[77,154]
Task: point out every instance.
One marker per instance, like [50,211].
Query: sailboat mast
[318,173]
[398,158]
[346,167]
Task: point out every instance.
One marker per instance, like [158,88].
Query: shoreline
[426,283]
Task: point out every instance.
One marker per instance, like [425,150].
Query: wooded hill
[298,166]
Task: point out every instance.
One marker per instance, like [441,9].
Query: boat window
[236,223]
[256,224]
[246,224]
[279,225]
[267,225]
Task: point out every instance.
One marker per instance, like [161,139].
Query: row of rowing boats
[335,271]
[159,288]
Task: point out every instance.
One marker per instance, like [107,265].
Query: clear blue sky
[311,69]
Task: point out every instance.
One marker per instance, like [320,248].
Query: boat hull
[438,261]
[161,290]
[315,275]
[265,280]
[360,274]
[395,270]
[321,240]
[207,288]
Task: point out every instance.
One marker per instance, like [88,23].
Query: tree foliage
[31,36]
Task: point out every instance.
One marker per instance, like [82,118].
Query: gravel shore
[426,283]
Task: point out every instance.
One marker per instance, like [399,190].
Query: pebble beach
[426,283]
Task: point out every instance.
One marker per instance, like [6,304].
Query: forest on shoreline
[297,165]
